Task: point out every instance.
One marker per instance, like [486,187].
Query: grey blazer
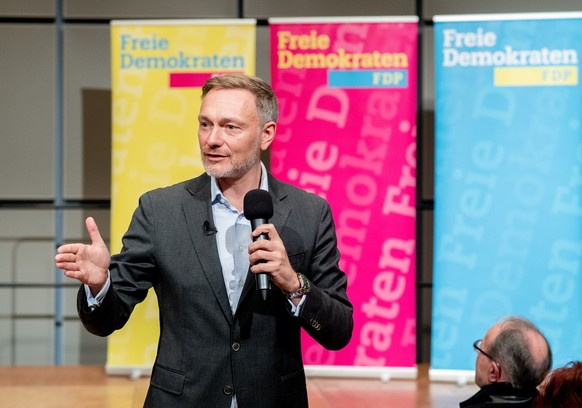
[205,354]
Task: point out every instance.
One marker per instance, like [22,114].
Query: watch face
[305,285]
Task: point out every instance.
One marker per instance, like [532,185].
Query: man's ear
[268,135]
[493,372]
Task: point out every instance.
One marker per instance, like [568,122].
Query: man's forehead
[228,96]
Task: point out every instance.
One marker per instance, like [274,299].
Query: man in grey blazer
[221,344]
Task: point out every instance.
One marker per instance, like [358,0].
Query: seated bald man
[512,360]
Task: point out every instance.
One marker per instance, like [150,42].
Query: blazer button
[228,389]
[235,346]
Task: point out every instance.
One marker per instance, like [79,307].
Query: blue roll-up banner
[508,182]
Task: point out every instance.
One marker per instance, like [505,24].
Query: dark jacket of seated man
[500,395]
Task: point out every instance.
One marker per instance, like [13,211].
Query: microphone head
[258,205]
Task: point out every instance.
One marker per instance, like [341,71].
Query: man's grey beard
[239,169]
[235,172]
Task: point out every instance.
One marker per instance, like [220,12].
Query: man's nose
[215,137]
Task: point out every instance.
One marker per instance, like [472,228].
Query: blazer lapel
[198,213]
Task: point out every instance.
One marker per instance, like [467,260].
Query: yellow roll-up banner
[158,68]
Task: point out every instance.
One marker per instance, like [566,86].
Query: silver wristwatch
[304,287]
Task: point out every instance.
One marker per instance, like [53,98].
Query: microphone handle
[263,279]
[257,223]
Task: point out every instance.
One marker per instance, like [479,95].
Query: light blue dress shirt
[232,239]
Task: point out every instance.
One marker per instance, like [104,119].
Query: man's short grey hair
[265,98]
[512,352]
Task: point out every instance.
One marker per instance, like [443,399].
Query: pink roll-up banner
[347,132]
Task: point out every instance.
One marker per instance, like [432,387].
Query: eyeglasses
[477,346]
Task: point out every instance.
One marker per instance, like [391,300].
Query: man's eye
[231,127]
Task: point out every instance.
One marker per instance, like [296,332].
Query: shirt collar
[216,193]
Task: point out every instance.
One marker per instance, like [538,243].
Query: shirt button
[227,389]
[241,249]
[235,346]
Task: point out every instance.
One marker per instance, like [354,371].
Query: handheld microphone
[258,208]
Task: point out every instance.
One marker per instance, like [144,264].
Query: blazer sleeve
[327,314]
[132,275]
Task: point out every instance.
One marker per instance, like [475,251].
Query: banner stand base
[460,377]
[384,374]
[132,372]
